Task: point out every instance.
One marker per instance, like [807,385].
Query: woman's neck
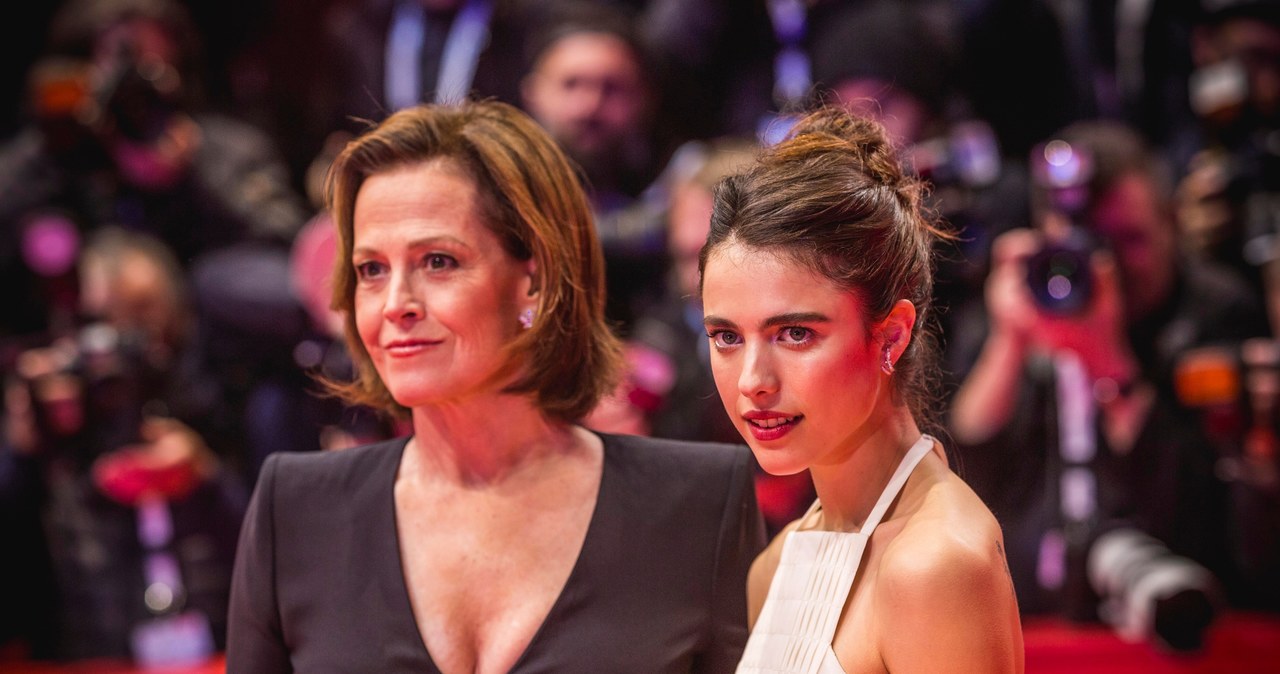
[484,443]
[849,486]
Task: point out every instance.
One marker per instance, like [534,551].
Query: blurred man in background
[589,85]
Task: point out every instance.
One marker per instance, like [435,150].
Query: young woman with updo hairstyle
[816,284]
[501,536]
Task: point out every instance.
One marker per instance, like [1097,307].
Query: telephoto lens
[1149,593]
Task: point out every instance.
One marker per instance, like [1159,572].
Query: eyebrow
[772,321]
[425,242]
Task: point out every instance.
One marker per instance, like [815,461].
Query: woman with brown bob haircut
[532,200]
[501,536]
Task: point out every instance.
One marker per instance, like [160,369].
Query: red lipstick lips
[766,426]
[403,348]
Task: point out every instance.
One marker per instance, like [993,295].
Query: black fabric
[658,587]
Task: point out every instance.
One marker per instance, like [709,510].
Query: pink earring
[526,319]
[887,365]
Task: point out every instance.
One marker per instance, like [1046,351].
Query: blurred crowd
[1112,170]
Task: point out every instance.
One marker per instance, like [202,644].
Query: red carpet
[1245,643]
[1238,644]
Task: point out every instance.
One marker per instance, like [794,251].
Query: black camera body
[138,98]
[1060,274]
[92,399]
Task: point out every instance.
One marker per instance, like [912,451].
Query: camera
[1150,593]
[137,97]
[88,392]
[968,156]
[1060,274]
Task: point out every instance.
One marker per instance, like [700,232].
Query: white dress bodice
[793,633]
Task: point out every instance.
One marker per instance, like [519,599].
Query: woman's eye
[795,335]
[724,339]
[366,270]
[440,261]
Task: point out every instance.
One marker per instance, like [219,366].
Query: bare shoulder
[951,543]
[945,574]
[951,530]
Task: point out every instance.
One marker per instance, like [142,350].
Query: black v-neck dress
[658,587]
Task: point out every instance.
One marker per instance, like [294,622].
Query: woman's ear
[527,299]
[896,329]
[530,284]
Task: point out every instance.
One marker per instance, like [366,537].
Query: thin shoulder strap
[923,446]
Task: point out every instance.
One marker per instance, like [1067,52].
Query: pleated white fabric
[793,633]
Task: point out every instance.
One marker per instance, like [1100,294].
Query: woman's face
[437,297]
[793,359]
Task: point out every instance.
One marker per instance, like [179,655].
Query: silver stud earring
[526,319]
[887,365]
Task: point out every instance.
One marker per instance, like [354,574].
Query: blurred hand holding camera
[1048,292]
[1009,302]
[169,463]
[49,405]
[42,382]
[1096,332]
[19,422]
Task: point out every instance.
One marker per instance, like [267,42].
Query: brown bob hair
[834,198]
[531,198]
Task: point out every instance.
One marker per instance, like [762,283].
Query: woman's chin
[410,397]
[777,462]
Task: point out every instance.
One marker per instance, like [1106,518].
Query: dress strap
[923,446]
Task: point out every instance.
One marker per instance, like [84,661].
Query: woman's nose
[758,377]
[403,302]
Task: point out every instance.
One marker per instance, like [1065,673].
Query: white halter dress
[798,621]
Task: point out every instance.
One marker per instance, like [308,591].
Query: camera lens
[1148,592]
[1060,278]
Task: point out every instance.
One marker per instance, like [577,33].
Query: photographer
[1068,421]
[1229,201]
[118,136]
[106,453]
